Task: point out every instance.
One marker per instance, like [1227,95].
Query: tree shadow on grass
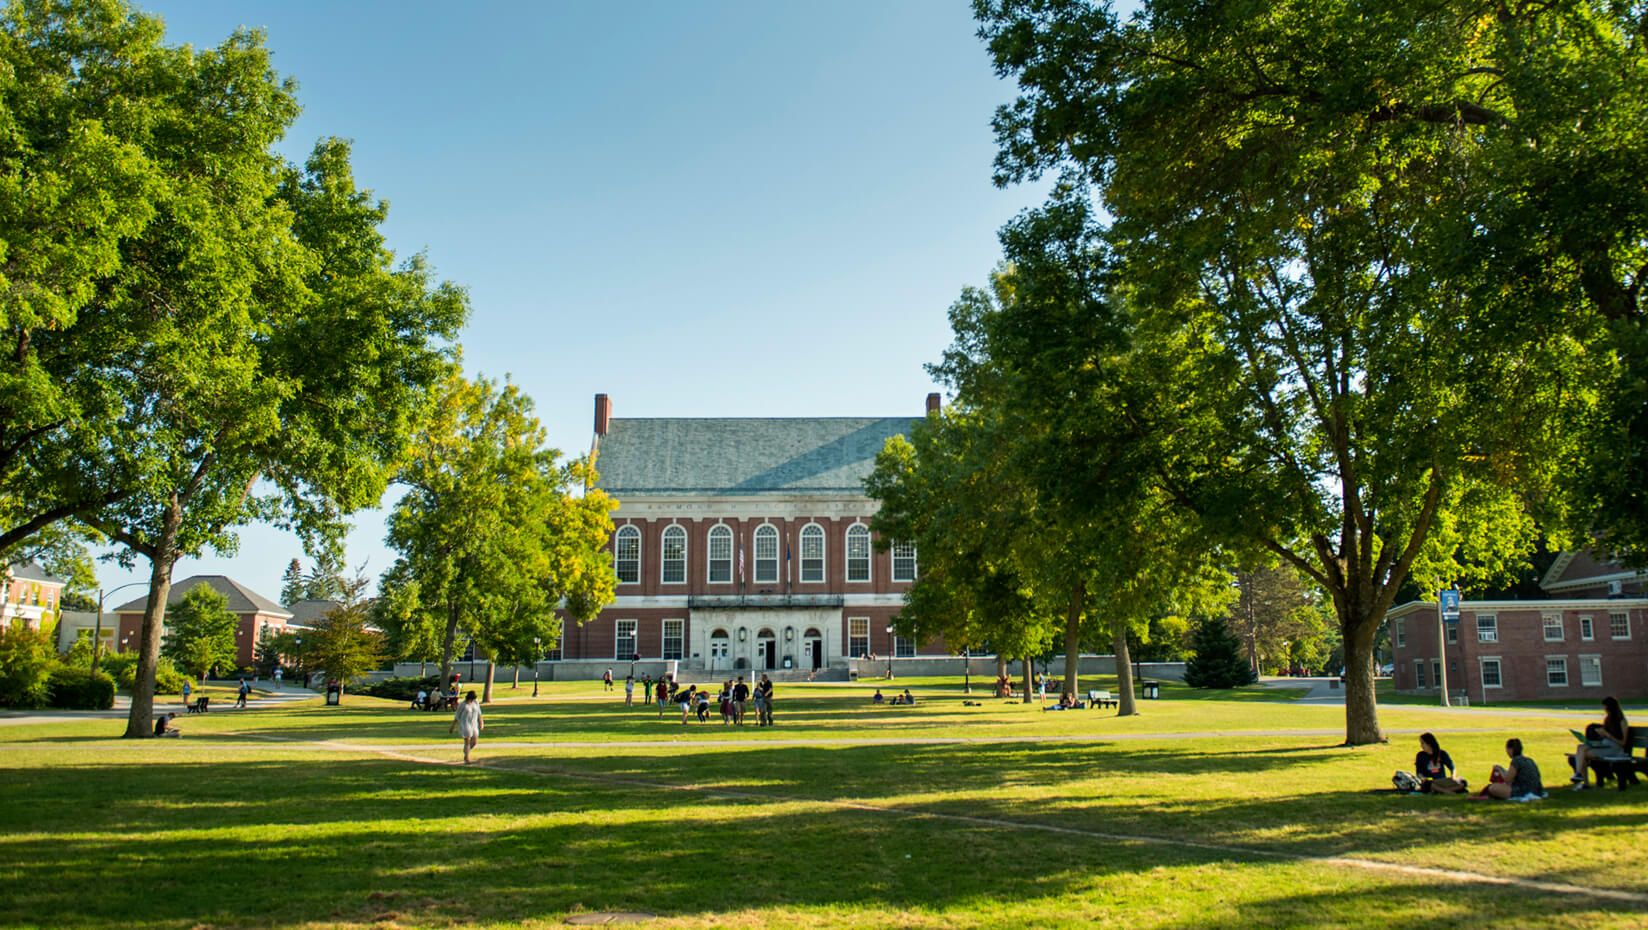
[280,843]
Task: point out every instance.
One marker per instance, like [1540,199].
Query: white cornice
[1587,603]
[788,507]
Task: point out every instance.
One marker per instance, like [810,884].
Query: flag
[740,562]
[787,578]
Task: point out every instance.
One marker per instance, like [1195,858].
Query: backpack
[1406,782]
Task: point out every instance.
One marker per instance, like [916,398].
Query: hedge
[79,689]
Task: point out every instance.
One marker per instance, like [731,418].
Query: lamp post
[890,650]
[97,635]
[967,670]
[537,656]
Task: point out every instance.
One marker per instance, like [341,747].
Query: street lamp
[97,635]
[890,649]
[967,670]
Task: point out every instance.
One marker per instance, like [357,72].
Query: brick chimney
[603,413]
[934,402]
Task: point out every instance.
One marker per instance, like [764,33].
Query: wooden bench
[201,705]
[1100,699]
[1607,761]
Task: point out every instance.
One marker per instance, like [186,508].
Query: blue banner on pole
[1449,599]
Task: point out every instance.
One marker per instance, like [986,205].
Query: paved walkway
[169,703]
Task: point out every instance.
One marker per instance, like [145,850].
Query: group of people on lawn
[1519,778]
[733,701]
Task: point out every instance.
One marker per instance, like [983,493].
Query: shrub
[78,688]
[123,666]
[1219,662]
[27,658]
[400,689]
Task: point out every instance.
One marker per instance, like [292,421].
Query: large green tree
[341,642]
[1322,359]
[200,632]
[493,533]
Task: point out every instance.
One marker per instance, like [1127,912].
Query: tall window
[626,554]
[858,636]
[1490,674]
[1590,671]
[1586,631]
[675,555]
[1401,633]
[720,554]
[1553,628]
[623,646]
[858,552]
[904,561]
[1619,626]
[1487,628]
[1419,673]
[903,648]
[672,639]
[1556,671]
[1453,632]
[766,554]
[812,552]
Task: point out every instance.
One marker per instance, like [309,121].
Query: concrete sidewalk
[164,703]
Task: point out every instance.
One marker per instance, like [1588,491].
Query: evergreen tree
[292,585]
[1219,662]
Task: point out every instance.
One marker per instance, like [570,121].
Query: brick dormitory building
[1582,639]
[745,544]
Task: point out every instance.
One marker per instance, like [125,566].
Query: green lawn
[1201,812]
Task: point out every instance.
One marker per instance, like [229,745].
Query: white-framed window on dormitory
[903,648]
[1487,628]
[674,642]
[719,550]
[1619,625]
[673,547]
[623,640]
[1590,671]
[858,552]
[766,554]
[1552,624]
[1587,629]
[1453,632]
[1556,671]
[552,653]
[904,561]
[812,553]
[626,554]
[1419,673]
[1399,632]
[858,637]
[1489,670]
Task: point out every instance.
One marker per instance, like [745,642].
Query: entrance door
[815,647]
[766,649]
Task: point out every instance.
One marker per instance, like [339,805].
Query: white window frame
[903,648]
[718,535]
[1490,632]
[1482,664]
[1588,664]
[631,534]
[905,567]
[1587,628]
[858,537]
[1419,674]
[675,630]
[1401,632]
[766,532]
[1453,632]
[1617,621]
[668,566]
[1551,623]
[814,534]
[858,637]
[621,630]
[1555,664]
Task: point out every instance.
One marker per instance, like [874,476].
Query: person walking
[629,691]
[740,694]
[606,680]
[186,690]
[662,695]
[764,699]
[245,689]
[467,721]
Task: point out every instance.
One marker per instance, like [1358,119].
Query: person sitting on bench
[1610,737]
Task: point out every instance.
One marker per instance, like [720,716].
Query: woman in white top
[467,721]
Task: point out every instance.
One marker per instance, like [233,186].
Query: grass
[1200,812]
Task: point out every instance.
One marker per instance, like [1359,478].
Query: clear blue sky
[702,209]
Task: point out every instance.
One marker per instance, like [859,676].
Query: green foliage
[122,667]
[80,688]
[401,689]
[27,658]
[1219,661]
[200,631]
[340,642]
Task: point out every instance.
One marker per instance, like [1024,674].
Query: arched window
[903,561]
[766,554]
[626,554]
[858,552]
[812,553]
[720,551]
[675,555]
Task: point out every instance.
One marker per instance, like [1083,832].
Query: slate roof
[306,612]
[747,455]
[29,571]
[242,600]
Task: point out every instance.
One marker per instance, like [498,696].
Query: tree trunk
[486,692]
[446,644]
[140,721]
[1072,640]
[1001,673]
[1125,705]
[1361,705]
[1029,693]
[517,682]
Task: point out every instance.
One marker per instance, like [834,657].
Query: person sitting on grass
[908,697]
[421,702]
[1613,733]
[1435,767]
[163,726]
[878,699]
[1518,781]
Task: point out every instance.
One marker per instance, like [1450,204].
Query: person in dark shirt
[1613,730]
[163,726]
[740,694]
[1519,779]
[763,697]
[1435,767]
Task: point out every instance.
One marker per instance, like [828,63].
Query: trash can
[1152,689]
[789,662]
[334,692]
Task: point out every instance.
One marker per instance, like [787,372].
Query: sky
[704,209]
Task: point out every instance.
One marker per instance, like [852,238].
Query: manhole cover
[601,918]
